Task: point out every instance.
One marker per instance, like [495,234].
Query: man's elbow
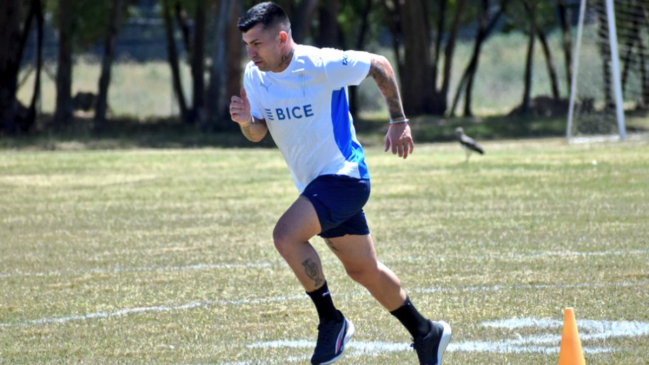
[256,138]
[380,66]
[381,59]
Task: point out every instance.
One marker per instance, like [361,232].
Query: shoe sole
[348,336]
[443,342]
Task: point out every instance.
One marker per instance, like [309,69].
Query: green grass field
[165,256]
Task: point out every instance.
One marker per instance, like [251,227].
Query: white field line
[591,330]
[118,270]
[570,254]
[291,359]
[281,299]
[152,309]
[373,348]
[222,266]
[527,287]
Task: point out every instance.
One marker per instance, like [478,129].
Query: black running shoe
[332,338]
[430,348]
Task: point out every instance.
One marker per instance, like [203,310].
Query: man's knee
[363,274]
[282,240]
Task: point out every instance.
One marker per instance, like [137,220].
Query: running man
[299,94]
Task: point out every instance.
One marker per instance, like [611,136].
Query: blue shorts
[338,200]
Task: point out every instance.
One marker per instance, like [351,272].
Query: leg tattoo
[312,272]
[330,244]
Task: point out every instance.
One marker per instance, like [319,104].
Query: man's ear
[283,38]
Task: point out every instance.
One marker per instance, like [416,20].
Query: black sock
[414,322]
[324,304]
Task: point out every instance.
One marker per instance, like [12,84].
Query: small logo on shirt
[265,86]
[345,59]
[302,84]
[269,114]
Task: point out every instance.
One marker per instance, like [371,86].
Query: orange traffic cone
[570,353]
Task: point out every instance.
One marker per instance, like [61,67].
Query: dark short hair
[269,14]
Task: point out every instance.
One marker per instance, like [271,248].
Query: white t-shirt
[307,112]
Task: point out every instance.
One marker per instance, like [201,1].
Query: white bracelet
[399,121]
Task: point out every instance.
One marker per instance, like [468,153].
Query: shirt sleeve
[346,68]
[251,93]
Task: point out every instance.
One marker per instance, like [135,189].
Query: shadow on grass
[489,128]
[125,133]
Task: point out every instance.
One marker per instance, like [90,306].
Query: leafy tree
[329,34]
[532,18]
[562,10]
[198,61]
[303,19]
[116,15]
[225,69]
[81,24]
[65,22]
[356,26]
[16,18]
[486,24]
[634,48]
[172,56]
[210,100]
[425,78]
[87,23]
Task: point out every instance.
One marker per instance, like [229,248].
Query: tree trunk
[302,22]
[392,15]
[107,63]
[198,63]
[529,63]
[63,112]
[468,95]
[449,50]
[185,29]
[485,26]
[441,25]
[552,73]
[418,91]
[360,45]
[11,13]
[566,41]
[232,65]
[329,30]
[365,22]
[172,55]
[525,103]
[644,72]
[605,52]
[483,19]
[630,42]
[483,30]
[225,13]
[37,9]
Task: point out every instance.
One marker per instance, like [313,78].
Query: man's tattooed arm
[383,74]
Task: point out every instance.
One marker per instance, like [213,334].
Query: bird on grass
[468,144]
